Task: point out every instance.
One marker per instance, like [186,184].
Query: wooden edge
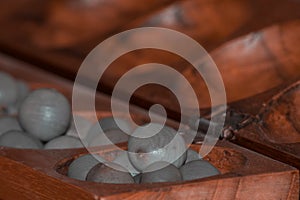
[227,189]
[252,136]
[19,181]
[249,138]
[276,180]
[252,105]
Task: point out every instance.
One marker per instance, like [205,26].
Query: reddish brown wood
[209,22]
[64,23]
[212,23]
[274,131]
[37,78]
[65,19]
[46,33]
[30,174]
[38,174]
[249,65]
[17,179]
[260,61]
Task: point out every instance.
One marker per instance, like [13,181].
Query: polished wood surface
[248,65]
[39,78]
[40,174]
[255,44]
[273,131]
[57,35]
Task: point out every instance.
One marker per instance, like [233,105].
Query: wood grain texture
[17,179]
[39,174]
[39,78]
[68,22]
[57,34]
[212,23]
[260,61]
[272,131]
[65,23]
[209,22]
[249,65]
[245,175]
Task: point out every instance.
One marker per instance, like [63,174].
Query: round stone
[198,169]
[113,173]
[20,140]
[161,172]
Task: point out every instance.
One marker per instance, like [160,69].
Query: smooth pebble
[123,160]
[113,173]
[198,169]
[8,123]
[23,91]
[192,155]
[8,89]
[20,140]
[80,167]
[45,113]
[82,127]
[64,142]
[161,172]
[165,145]
[110,133]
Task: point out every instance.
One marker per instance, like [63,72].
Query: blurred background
[255,43]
